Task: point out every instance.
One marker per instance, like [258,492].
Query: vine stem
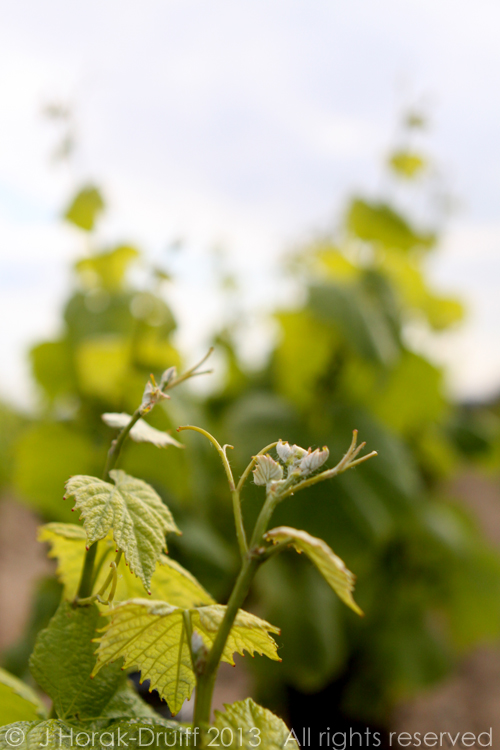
[235,493]
[206,681]
[86,579]
[256,555]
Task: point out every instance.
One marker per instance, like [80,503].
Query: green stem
[85,587]
[112,574]
[112,578]
[235,494]
[117,444]
[206,681]
[341,467]
[98,565]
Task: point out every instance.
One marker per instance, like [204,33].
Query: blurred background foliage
[427,579]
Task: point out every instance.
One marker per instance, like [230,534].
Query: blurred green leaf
[360,321]
[12,425]
[302,355]
[84,319]
[46,454]
[107,269]
[410,396]
[407,164]
[53,368]
[381,224]
[85,208]
[102,364]
[18,702]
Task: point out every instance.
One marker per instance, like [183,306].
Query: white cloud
[241,124]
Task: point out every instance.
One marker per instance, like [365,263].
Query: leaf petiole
[235,494]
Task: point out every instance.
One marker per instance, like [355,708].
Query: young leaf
[330,566]
[141,432]
[18,702]
[67,544]
[266,470]
[62,661]
[170,581]
[132,509]
[151,636]
[249,633]
[313,460]
[252,726]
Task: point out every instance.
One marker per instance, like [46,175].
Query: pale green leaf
[132,510]
[62,662]
[141,432]
[246,725]
[18,702]
[151,636]
[266,470]
[331,567]
[170,581]
[249,633]
[67,544]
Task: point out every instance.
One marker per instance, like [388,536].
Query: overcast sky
[244,124]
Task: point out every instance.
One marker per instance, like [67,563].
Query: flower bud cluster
[298,462]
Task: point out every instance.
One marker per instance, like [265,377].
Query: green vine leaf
[246,725]
[18,702]
[170,581]
[132,510]
[151,636]
[141,432]
[62,663]
[331,567]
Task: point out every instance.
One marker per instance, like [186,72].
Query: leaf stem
[339,469]
[112,579]
[188,629]
[191,372]
[235,493]
[117,444]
